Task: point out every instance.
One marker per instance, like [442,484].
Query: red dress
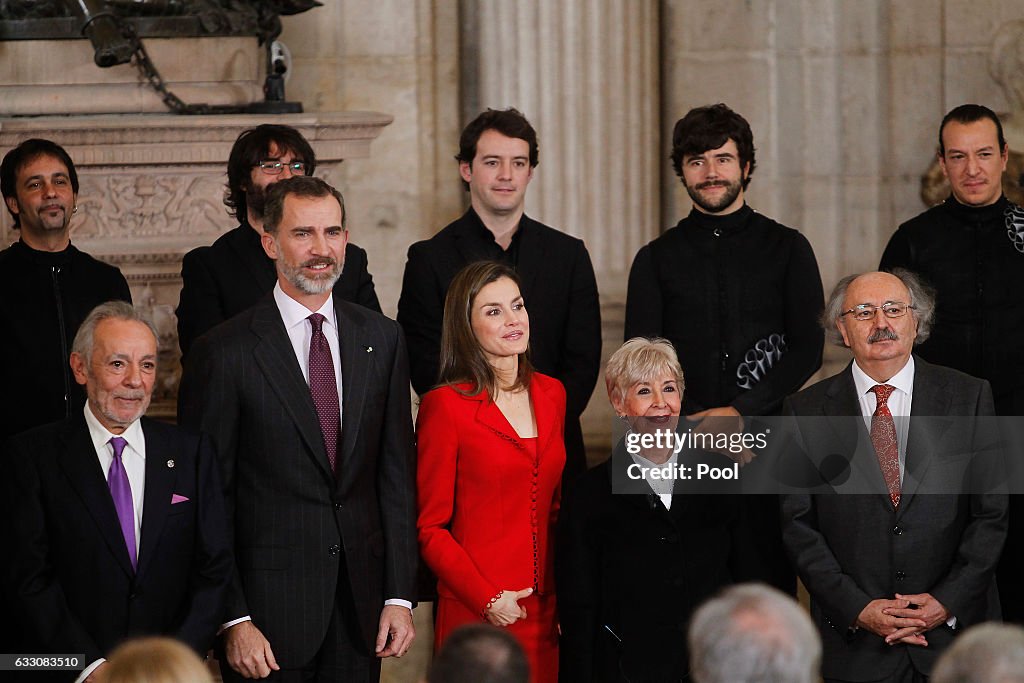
[488,501]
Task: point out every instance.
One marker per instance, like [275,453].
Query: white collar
[902,380]
[293,313]
[100,435]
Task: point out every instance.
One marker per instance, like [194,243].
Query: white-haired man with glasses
[893,573]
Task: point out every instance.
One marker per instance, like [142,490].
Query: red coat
[486,511]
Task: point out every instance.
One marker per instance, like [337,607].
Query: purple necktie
[121,492]
[323,387]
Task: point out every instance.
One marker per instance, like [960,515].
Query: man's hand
[921,606]
[877,618]
[724,411]
[506,609]
[97,675]
[396,631]
[723,420]
[248,651]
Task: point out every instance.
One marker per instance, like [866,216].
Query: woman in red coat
[491,453]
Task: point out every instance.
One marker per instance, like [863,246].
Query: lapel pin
[369,349]
[170,463]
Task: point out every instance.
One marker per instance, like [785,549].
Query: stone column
[587,77]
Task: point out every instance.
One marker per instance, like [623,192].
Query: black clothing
[45,297]
[724,290]
[965,254]
[717,285]
[560,291]
[629,573]
[232,274]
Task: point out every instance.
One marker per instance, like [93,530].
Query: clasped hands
[506,610]
[904,619]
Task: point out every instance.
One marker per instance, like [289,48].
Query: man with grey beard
[306,397]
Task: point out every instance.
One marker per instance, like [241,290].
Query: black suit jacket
[560,292]
[850,549]
[293,524]
[626,565]
[232,274]
[74,588]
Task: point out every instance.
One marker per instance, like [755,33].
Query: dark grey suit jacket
[293,524]
[72,581]
[850,549]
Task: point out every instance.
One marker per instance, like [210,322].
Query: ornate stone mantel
[152,188]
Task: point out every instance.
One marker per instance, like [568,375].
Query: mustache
[321,261]
[136,395]
[885,334]
[712,183]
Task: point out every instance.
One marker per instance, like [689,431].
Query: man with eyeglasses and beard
[736,293]
[231,275]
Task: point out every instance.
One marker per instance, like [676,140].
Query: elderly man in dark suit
[497,156]
[232,274]
[114,523]
[898,567]
[307,399]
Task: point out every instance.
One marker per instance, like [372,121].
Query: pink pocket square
[175,499]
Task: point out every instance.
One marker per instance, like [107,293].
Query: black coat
[232,274]
[46,296]
[715,286]
[965,254]
[560,292]
[626,563]
[74,587]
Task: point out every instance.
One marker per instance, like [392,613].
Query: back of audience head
[155,660]
[987,653]
[751,633]
[480,653]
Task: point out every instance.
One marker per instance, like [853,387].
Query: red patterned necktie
[323,387]
[883,438]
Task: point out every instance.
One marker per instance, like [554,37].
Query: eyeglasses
[272,167]
[892,309]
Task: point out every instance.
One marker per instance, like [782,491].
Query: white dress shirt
[134,458]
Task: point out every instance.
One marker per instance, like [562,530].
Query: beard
[733,190]
[323,282]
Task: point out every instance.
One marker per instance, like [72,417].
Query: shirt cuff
[400,603]
[89,669]
[227,625]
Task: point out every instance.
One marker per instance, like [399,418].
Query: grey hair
[922,298]
[986,653]
[639,360]
[752,633]
[111,310]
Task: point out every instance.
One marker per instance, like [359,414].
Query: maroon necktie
[121,492]
[883,438]
[323,387]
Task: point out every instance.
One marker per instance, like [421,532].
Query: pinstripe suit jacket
[291,520]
